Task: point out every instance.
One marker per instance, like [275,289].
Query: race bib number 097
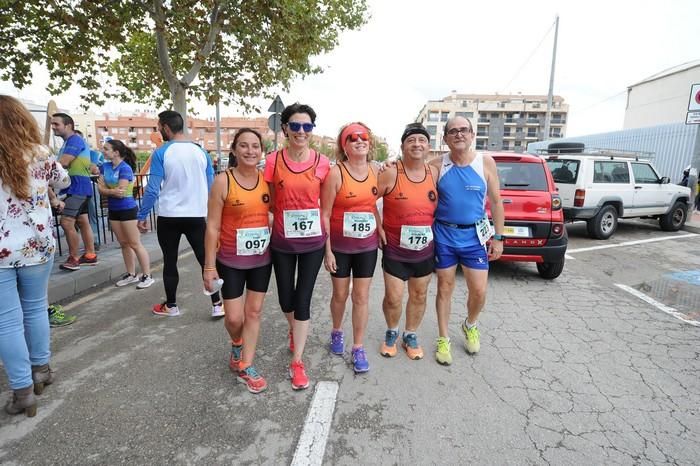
[302,223]
[416,238]
[252,241]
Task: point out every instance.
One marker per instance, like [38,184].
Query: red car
[534,224]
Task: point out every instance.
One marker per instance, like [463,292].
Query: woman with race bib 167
[295,175]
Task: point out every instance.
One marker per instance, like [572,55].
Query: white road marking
[312,442]
[630,243]
[568,257]
[661,306]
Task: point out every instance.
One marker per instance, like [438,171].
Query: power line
[604,100]
[527,60]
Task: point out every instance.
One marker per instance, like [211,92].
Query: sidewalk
[64,284]
[693,223]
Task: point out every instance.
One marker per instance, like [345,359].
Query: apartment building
[135,130]
[501,122]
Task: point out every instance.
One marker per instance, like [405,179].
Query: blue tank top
[461,200]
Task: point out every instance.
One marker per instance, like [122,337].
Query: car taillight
[556,202]
[579,197]
[557,229]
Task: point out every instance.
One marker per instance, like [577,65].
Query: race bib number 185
[359,224]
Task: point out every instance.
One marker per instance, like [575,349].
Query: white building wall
[661,101]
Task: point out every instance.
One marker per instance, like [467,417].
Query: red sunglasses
[354,137]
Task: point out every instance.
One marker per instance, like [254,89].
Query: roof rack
[603,152]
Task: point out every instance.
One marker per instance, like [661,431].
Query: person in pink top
[350,214]
[298,239]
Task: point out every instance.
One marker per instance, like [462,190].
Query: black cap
[414,128]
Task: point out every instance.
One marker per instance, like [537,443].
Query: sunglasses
[354,137]
[296,127]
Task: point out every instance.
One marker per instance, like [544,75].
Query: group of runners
[301,211]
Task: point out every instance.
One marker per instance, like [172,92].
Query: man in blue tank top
[461,230]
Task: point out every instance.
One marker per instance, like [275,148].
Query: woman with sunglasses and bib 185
[295,175]
[349,201]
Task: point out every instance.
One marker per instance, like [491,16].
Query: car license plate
[518,232]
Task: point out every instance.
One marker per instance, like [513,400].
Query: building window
[506,131]
[505,146]
[465,114]
[433,143]
[433,116]
[465,103]
[518,130]
[518,143]
[432,130]
[444,116]
[495,115]
[531,133]
[480,144]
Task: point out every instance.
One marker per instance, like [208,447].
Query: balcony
[557,122]
[532,121]
[482,135]
[484,120]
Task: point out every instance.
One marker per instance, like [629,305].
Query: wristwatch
[499,237]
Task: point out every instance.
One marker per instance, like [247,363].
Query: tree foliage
[160,51]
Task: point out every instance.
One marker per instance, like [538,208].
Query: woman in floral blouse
[26,253]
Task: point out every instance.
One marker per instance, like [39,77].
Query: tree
[158,51]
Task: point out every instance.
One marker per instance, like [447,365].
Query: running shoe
[337,342]
[359,360]
[217,310]
[290,337]
[57,318]
[127,279]
[410,344]
[472,339]
[145,281]
[89,260]
[298,374]
[163,310]
[254,381]
[443,354]
[71,264]
[234,359]
[388,349]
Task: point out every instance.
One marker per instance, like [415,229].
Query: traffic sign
[274,122]
[277,106]
[694,101]
[693,118]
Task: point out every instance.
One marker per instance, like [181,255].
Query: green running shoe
[443,354]
[471,339]
[57,318]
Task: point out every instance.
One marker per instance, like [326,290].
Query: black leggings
[296,299]
[170,229]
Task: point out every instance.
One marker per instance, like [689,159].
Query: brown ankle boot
[23,401]
[42,376]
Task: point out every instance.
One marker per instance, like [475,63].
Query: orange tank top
[353,224]
[408,217]
[245,235]
[297,225]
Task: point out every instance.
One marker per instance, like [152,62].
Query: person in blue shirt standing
[96,161]
[180,179]
[462,230]
[117,183]
[75,156]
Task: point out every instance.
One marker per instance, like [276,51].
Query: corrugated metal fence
[673,145]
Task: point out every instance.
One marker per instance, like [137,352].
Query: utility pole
[218,133]
[550,96]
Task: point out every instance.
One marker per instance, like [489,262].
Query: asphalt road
[572,371]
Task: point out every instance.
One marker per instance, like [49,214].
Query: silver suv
[599,187]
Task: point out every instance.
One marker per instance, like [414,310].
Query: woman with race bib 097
[295,175]
[237,250]
[350,214]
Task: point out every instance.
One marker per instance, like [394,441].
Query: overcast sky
[412,51]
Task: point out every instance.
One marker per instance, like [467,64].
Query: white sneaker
[127,279]
[217,310]
[145,281]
